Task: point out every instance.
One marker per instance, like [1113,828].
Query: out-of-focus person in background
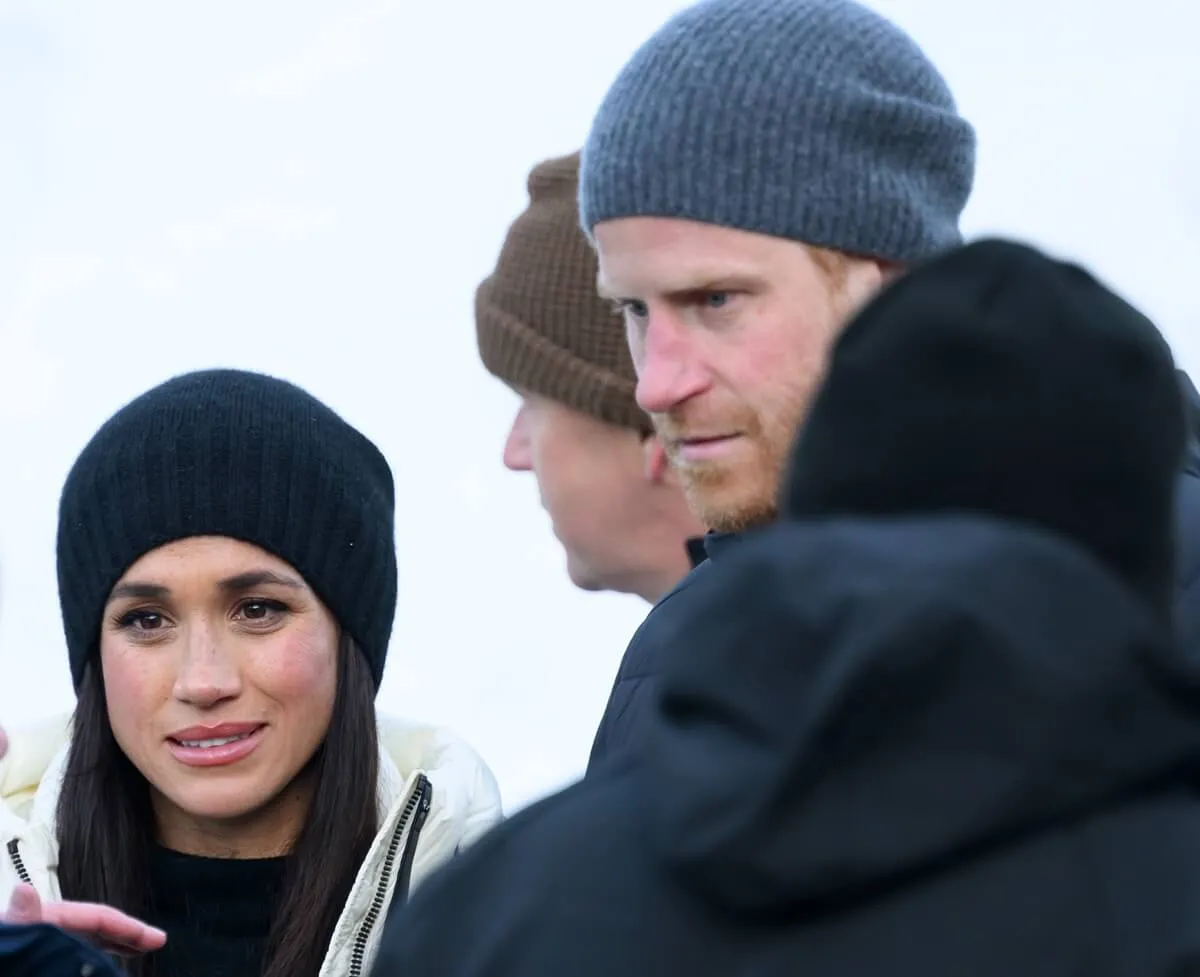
[615,504]
[227,576]
[934,721]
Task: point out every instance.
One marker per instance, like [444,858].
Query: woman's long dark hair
[106,826]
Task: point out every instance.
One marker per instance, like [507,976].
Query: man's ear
[654,459]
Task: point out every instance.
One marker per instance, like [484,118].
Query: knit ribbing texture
[540,324]
[237,454]
[813,120]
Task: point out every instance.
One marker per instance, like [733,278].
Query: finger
[103,924]
[24,905]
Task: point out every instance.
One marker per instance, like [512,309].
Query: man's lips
[695,449]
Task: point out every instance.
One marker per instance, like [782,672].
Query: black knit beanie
[237,454]
[1000,381]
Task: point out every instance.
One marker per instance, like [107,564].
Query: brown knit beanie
[541,325]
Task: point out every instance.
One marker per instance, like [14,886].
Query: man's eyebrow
[701,284]
[727,282]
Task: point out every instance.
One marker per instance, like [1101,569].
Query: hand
[106,928]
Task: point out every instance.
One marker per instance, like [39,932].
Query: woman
[227,577]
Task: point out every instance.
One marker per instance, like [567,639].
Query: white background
[314,190]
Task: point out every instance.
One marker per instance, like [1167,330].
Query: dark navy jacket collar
[709,546]
[716,544]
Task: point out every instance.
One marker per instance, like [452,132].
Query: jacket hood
[1192,401]
[466,790]
[863,700]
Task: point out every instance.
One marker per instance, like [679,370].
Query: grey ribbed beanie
[814,120]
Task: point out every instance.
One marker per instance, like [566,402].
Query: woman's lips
[216,747]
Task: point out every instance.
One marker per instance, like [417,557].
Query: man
[936,721]
[602,474]
[758,169]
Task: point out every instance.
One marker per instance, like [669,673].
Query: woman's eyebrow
[141,591]
[256,578]
[243,581]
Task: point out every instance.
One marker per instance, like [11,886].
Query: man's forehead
[661,256]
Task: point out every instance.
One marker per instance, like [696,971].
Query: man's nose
[517,456]
[668,368]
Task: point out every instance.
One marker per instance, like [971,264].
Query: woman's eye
[716,300]
[141,622]
[145,620]
[261,610]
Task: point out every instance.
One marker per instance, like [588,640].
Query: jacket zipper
[404,879]
[415,811]
[14,853]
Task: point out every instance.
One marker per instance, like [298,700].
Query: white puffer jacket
[428,778]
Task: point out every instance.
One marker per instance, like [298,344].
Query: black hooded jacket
[1188,536]
[984,765]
